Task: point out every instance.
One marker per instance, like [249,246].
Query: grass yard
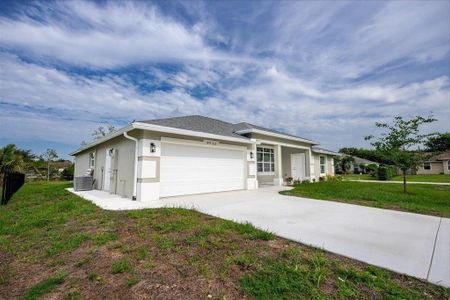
[56,245]
[421,198]
[440,178]
[445,178]
[358,177]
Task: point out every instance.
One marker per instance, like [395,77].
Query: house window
[265,160]
[91,160]
[322,165]
[427,166]
[448,165]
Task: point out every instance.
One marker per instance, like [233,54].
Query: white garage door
[187,169]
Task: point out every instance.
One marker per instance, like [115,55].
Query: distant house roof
[359,160]
[439,157]
[214,126]
[62,164]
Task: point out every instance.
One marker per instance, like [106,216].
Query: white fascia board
[164,129]
[267,142]
[326,152]
[279,135]
[103,139]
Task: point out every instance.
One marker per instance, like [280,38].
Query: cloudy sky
[323,70]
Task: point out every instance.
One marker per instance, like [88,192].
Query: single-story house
[150,159]
[356,165]
[436,164]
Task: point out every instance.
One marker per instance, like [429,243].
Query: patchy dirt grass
[58,246]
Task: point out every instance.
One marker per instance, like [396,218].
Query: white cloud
[113,35]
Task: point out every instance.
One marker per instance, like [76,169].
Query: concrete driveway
[412,244]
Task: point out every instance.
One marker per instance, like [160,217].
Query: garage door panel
[189,169]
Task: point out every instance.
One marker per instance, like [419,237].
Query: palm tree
[11,159]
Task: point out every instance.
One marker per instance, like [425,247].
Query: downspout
[136,149]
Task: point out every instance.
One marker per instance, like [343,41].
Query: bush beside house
[386,172]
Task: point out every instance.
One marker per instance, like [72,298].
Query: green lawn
[425,178]
[420,198]
[441,178]
[56,245]
[358,177]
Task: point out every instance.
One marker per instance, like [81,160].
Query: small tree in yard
[397,142]
[346,163]
[49,156]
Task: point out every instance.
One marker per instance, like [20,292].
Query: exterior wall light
[152,147]
[251,154]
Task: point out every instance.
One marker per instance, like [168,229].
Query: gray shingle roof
[359,160]
[210,125]
[200,124]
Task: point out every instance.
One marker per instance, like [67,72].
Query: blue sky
[323,70]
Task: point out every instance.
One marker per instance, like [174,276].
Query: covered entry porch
[276,162]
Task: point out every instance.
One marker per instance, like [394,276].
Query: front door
[298,166]
[107,171]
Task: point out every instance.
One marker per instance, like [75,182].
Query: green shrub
[372,170]
[386,172]
[296,182]
[322,178]
[289,180]
[333,178]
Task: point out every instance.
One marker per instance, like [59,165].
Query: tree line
[399,145]
[440,142]
[45,166]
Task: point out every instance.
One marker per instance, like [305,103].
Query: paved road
[408,243]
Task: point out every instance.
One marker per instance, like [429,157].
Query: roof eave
[163,129]
[326,152]
[103,139]
[166,129]
[280,135]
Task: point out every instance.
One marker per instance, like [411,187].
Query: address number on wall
[209,142]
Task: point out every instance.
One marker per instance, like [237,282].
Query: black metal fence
[12,182]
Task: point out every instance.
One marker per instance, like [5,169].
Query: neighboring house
[355,166]
[194,154]
[61,165]
[437,164]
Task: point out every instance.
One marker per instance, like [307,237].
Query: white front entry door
[190,169]
[298,166]
[107,170]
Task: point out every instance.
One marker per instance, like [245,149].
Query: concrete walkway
[391,181]
[413,244]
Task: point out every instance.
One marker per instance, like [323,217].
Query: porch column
[312,173]
[278,174]
[252,180]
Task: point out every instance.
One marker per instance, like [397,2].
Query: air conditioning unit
[83,183]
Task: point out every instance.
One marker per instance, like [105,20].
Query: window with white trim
[427,166]
[91,160]
[448,165]
[265,160]
[322,164]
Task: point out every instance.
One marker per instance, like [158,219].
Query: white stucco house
[148,160]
